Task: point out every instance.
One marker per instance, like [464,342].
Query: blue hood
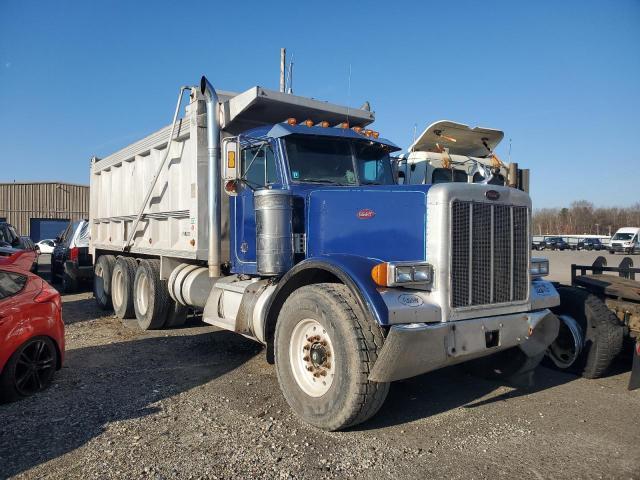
[386,222]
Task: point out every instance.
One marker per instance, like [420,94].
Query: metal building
[42,209]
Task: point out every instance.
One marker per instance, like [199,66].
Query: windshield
[622,236]
[337,161]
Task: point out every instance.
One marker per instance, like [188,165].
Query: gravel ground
[197,402]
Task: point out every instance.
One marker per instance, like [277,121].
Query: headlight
[403,274]
[398,274]
[539,267]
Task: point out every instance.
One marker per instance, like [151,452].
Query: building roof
[44,183]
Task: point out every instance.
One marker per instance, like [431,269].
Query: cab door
[259,170]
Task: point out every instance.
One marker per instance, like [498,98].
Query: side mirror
[230,159]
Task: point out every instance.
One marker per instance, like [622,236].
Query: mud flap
[634,380]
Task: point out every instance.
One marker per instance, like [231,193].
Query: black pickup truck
[70,260]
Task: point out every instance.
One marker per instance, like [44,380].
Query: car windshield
[622,236]
[337,161]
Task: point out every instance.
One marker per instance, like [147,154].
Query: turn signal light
[292,121]
[308,123]
[344,125]
[324,124]
[375,134]
[368,133]
[357,129]
[379,274]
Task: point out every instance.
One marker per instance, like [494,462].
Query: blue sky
[562,79]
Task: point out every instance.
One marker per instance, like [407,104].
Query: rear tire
[124,274]
[69,283]
[321,328]
[176,316]
[102,272]
[603,334]
[151,296]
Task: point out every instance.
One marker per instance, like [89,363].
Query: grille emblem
[365,214]
[492,195]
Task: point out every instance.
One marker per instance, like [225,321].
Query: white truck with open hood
[447,151]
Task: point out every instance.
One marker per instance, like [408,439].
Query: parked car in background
[70,261]
[8,236]
[555,243]
[626,240]
[31,333]
[590,244]
[26,260]
[46,246]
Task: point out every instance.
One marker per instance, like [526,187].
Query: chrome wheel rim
[566,348]
[311,357]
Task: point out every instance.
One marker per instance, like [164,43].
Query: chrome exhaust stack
[213,144]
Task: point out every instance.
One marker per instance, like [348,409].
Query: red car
[31,333]
[26,260]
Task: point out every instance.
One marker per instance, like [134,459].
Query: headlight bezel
[539,267]
[404,274]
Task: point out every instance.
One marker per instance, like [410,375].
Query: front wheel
[324,351]
[29,370]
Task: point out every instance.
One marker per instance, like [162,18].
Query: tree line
[583,218]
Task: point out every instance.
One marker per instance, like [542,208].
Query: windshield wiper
[320,180]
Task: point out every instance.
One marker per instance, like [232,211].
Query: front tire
[324,351]
[29,370]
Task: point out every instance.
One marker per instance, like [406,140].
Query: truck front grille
[489,253]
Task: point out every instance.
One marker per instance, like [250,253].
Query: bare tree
[582,217]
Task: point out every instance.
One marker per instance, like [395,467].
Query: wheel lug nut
[306,347]
[306,359]
[323,373]
[310,369]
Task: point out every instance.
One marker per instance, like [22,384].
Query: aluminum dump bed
[174,222]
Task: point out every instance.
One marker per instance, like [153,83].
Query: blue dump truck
[278,217]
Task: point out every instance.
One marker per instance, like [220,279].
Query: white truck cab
[447,151]
[626,240]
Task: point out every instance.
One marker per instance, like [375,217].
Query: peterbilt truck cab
[302,240]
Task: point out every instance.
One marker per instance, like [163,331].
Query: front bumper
[417,348]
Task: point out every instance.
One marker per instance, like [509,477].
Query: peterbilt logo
[365,213]
[492,195]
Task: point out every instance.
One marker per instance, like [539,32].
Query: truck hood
[384,222]
[460,139]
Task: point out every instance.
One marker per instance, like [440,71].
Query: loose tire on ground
[122,278]
[29,370]
[351,346]
[103,270]
[603,333]
[151,296]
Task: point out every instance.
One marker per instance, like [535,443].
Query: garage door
[42,228]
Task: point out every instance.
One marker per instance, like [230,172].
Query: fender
[352,270]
